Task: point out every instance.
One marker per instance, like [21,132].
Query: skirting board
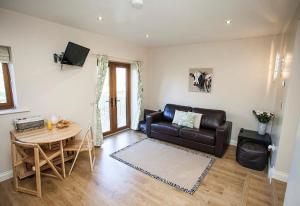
[6,175]
[233,142]
[281,176]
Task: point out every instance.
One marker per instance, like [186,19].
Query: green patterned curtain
[102,67]
[137,67]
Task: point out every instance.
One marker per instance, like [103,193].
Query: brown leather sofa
[213,136]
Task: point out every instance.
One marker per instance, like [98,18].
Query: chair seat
[51,154]
[74,146]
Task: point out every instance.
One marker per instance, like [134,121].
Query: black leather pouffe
[252,155]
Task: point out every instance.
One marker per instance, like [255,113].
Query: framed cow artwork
[200,80]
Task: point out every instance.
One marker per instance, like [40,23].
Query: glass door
[115,99]
[121,96]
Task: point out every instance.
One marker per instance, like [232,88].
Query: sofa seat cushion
[166,128]
[203,136]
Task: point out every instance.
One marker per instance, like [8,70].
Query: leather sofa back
[169,110]
[211,119]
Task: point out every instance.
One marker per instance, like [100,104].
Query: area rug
[177,166]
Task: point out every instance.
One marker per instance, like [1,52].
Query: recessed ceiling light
[138,4]
[99,18]
[147,36]
[228,21]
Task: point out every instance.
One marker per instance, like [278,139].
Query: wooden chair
[34,155]
[81,145]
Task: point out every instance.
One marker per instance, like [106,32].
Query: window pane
[121,97]
[2,87]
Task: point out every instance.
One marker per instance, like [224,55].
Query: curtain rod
[114,58]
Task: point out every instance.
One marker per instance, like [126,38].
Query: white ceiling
[168,22]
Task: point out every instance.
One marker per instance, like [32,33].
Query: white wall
[291,195]
[277,106]
[287,99]
[291,106]
[41,86]
[242,78]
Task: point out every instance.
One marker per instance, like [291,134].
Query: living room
[175,102]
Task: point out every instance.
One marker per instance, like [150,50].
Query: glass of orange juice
[49,124]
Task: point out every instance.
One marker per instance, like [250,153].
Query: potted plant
[263,120]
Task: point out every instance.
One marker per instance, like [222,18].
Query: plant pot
[262,127]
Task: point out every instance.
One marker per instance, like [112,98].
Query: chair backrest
[89,137]
[20,146]
[20,151]
[24,145]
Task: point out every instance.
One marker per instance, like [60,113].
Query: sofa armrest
[153,117]
[147,112]
[223,135]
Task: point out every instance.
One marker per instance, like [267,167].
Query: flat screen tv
[75,54]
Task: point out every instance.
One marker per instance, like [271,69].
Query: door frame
[112,65]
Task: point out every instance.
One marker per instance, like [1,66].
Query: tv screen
[75,54]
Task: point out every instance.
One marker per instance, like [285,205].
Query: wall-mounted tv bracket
[58,58]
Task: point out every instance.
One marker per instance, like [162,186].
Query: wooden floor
[114,183]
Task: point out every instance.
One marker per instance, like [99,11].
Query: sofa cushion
[166,128]
[169,111]
[197,119]
[211,119]
[204,136]
[178,116]
[187,120]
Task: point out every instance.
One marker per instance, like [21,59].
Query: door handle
[111,102]
[116,101]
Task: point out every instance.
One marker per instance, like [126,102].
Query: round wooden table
[34,139]
[45,136]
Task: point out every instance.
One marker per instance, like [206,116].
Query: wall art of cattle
[200,80]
